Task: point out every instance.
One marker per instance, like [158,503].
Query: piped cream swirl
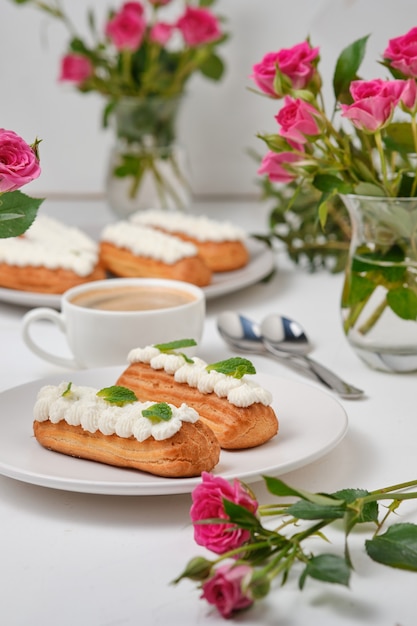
[241,392]
[199,227]
[82,407]
[51,244]
[147,242]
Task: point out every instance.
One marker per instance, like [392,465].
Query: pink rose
[374,103]
[75,68]
[297,63]
[225,589]
[409,94]
[298,121]
[19,164]
[208,503]
[273,164]
[198,26]
[402,53]
[264,73]
[127,27]
[161,33]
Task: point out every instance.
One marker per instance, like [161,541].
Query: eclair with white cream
[222,245]
[235,408]
[50,257]
[130,250]
[110,426]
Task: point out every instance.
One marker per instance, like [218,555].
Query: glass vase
[147,167]
[379,299]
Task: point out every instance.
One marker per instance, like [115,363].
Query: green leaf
[310,510]
[117,395]
[359,289]
[159,412]
[403,301]
[347,67]
[278,488]
[67,391]
[236,367]
[240,515]
[399,137]
[327,183]
[328,568]
[212,67]
[368,512]
[369,189]
[175,345]
[397,547]
[17,212]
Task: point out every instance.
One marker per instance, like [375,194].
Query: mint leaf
[172,346]
[175,345]
[117,395]
[159,412]
[236,367]
[67,391]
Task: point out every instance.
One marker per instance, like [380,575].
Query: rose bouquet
[141,60]
[250,555]
[365,145]
[19,165]
[354,169]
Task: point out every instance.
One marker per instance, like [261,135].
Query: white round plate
[260,265]
[312,422]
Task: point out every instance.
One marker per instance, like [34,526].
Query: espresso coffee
[132,298]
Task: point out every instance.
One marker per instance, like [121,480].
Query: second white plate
[312,422]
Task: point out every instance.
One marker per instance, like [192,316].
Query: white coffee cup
[99,337]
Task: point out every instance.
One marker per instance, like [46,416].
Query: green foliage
[151,70]
[273,553]
[347,68]
[17,213]
[294,221]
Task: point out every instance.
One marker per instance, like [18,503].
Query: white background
[219,121]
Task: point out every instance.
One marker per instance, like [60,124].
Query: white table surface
[77,559]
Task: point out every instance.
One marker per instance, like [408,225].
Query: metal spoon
[286,341]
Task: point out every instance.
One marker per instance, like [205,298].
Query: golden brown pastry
[170,442]
[127,250]
[237,410]
[220,244]
[49,258]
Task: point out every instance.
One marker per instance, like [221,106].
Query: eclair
[111,426]
[50,257]
[130,250]
[221,244]
[235,408]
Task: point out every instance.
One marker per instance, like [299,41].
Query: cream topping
[51,244]
[241,392]
[199,227]
[82,407]
[147,242]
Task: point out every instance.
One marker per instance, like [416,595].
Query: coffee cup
[103,320]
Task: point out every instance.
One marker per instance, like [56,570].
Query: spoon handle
[331,380]
[321,373]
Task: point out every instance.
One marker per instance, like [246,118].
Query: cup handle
[44,313]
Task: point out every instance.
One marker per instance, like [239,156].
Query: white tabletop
[104,560]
